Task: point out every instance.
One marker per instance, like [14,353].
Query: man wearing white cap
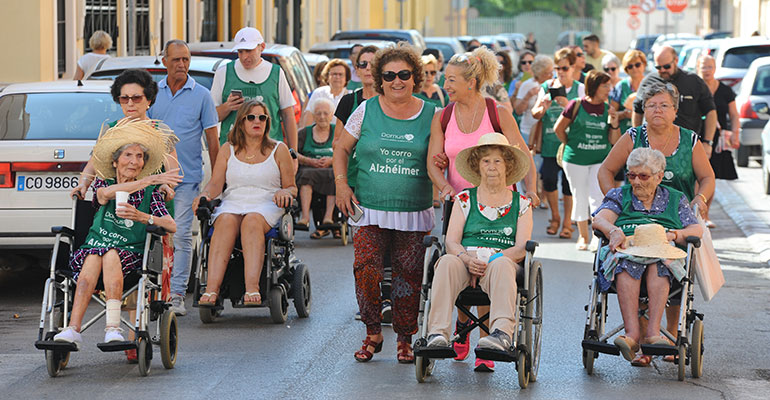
[251,77]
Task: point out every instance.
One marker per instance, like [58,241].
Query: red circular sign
[676,6]
[633,9]
[633,23]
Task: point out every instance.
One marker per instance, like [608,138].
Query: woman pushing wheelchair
[488,229]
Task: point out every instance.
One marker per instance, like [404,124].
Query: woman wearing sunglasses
[611,65]
[260,183]
[390,134]
[431,92]
[622,98]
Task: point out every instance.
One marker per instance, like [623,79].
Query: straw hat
[521,159]
[650,240]
[155,136]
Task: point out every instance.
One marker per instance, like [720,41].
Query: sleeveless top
[551,142]
[251,187]
[629,219]
[624,86]
[313,149]
[266,92]
[588,139]
[456,140]
[679,173]
[110,231]
[480,231]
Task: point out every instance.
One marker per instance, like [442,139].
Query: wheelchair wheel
[682,361]
[169,339]
[696,349]
[59,321]
[144,355]
[55,361]
[345,233]
[522,367]
[422,368]
[279,305]
[301,289]
[207,314]
[534,325]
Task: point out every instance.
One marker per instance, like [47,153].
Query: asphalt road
[244,355]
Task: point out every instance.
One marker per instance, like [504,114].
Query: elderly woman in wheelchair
[488,229]
[655,215]
[125,157]
[260,183]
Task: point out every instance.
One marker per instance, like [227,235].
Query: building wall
[616,35]
[28,45]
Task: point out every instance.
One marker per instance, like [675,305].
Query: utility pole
[132,27]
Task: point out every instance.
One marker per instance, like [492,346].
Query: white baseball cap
[247,39]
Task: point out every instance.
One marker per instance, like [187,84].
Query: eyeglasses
[634,65]
[563,69]
[665,66]
[362,64]
[431,73]
[252,117]
[631,176]
[663,107]
[337,74]
[610,69]
[527,62]
[390,76]
[135,98]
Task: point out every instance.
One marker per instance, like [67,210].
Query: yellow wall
[27,29]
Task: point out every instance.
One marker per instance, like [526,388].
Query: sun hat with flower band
[521,159]
[153,135]
[649,240]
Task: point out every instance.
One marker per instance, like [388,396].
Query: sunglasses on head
[431,73]
[390,76]
[252,117]
[527,62]
[665,66]
[362,64]
[135,98]
[634,65]
[610,69]
[564,69]
[631,176]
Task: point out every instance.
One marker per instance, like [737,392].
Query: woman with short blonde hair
[99,42]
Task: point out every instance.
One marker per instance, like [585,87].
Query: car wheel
[742,155]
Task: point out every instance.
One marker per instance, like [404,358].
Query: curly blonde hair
[403,51]
[480,64]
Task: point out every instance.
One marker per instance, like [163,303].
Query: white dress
[251,187]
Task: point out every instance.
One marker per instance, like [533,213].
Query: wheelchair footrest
[55,346]
[435,352]
[600,347]
[659,350]
[495,355]
[116,346]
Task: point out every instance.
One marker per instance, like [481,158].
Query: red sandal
[364,354]
[405,354]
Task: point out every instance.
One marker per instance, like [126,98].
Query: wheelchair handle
[206,207]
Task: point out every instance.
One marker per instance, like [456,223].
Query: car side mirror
[762,109]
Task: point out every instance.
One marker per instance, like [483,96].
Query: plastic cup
[120,197]
[483,254]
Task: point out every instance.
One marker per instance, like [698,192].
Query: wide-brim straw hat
[650,240]
[155,136]
[521,159]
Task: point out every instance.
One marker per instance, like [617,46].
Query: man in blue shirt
[187,108]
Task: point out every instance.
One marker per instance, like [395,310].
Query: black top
[695,100]
[722,98]
[531,46]
[345,106]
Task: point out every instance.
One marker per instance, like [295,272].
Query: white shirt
[257,75]
[581,90]
[527,120]
[325,92]
[89,60]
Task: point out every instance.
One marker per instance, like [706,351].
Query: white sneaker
[594,246]
[112,334]
[69,335]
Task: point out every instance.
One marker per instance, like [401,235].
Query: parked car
[718,35]
[47,133]
[752,102]
[518,40]
[504,44]
[766,158]
[567,38]
[341,48]
[411,36]
[667,39]
[688,56]
[313,59]
[448,46]
[733,57]
[201,68]
[643,43]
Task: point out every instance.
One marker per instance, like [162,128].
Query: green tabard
[108,230]
[352,159]
[392,156]
[625,91]
[629,219]
[313,149]
[679,173]
[588,140]
[550,141]
[353,85]
[266,92]
[479,231]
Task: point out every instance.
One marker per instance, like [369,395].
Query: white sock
[113,313]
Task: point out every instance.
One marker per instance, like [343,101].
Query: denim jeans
[185,194]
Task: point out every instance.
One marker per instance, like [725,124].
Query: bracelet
[613,230]
[339,177]
[614,127]
[705,200]
[461,253]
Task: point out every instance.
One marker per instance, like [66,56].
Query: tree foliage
[565,8]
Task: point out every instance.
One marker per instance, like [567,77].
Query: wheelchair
[340,222]
[59,291]
[527,338]
[688,343]
[284,277]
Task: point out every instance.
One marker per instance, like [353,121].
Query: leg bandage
[113,313]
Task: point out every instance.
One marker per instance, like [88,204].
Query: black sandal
[319,234]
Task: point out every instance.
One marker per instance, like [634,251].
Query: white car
[766,158]
[47,132]
[753,102]
[733,57]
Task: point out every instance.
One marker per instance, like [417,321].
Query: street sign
[676,6]
[647,6]
[633,9]
[633,22]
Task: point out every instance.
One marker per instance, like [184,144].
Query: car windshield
[62,116]
[741,57]
[202,78]
[445,49]
[762,82]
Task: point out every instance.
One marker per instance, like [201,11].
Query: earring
[470,88]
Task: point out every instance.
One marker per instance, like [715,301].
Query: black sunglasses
[610,69]
[660,67]
[431,73]
[634,65]
[390,76]
[564,69]
[135,98]
[362,64]
[579,54]
[252,117]
[527,62]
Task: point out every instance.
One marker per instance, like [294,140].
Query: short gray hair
[323,100]
[121,149]
[647,157]
[100,40]
[174,42]
[541,64]
[610,58]
[658,88]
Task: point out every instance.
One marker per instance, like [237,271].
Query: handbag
[536,137]
[708,271]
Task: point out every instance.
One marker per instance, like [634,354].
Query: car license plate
[45,182]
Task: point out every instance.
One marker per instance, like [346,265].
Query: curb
[756,230]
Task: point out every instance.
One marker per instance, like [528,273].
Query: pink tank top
[455,141]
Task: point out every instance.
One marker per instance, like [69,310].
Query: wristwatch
[150,221]
[293,153]
[708,142]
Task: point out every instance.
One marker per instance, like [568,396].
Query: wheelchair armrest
[428,241]
[693,240]
[531,246]
[206,207]
[156,230]
[63,230]
[600,235]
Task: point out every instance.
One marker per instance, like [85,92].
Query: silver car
[202,69]
[733,57]
[752,102]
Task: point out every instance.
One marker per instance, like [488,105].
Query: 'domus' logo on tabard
[409,137]
[393,137]
[668,175]
[507,230]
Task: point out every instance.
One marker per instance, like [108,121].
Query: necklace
[251,157]
[473,121]
[665,146]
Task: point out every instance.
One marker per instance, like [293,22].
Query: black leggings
[549,171]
